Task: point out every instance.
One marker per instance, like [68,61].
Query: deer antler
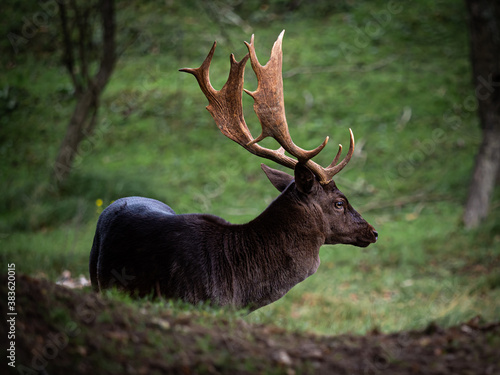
[269,103]
[226,108]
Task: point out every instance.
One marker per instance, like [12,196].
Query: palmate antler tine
[226,107]
[269,102]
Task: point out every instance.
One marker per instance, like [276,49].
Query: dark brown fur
[143,247]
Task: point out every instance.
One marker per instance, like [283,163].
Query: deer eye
[339,205]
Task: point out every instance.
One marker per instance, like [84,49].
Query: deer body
[143,247]
[199,257]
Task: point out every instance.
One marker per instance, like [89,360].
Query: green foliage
[398,75]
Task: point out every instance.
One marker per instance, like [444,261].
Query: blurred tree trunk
[484,25]
[79,23]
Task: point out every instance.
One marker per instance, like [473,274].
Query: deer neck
[275,251]
[290,219]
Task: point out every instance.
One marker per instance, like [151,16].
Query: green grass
[403,88]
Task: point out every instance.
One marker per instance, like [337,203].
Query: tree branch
[68,57]
[81,24]
[108,57]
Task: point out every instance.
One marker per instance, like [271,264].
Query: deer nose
[375,233]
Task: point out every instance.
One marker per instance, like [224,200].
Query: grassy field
[399,76]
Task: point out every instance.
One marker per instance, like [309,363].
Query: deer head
[343,224]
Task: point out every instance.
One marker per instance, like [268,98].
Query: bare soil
[64,331]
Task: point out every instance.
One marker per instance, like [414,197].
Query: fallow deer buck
[143,247]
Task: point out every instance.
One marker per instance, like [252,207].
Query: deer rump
[143,247]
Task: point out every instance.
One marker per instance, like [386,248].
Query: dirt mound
[60,331]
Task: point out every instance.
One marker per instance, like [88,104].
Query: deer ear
[304,178]
[279,179]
